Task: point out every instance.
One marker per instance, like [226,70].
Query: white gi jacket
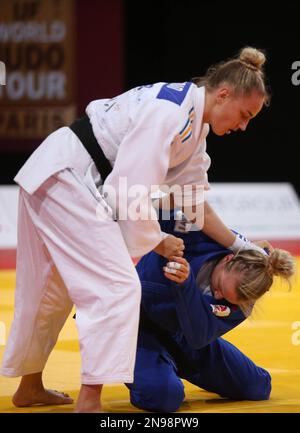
[152,135]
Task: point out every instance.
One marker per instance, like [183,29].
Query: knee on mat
[260,388]
[159,397]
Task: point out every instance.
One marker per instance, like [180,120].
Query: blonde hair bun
[281,263]
[252,57]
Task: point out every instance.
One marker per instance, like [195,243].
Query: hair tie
[249,65]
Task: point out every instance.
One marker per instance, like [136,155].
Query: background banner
[37,48]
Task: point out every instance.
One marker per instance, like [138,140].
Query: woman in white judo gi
[73,250]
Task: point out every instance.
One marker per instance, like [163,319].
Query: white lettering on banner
[258,210]
[44,85]
[32,32]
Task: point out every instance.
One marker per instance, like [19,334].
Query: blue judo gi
[179,335]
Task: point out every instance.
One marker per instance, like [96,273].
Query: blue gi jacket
[179,335]
[181,309]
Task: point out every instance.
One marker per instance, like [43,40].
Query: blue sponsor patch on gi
[174,92]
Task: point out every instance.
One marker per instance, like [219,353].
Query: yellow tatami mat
[271,338]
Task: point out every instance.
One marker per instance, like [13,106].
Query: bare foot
[89,410]
[42,397]
[89,399]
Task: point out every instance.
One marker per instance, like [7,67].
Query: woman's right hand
[177,269]
[170,246]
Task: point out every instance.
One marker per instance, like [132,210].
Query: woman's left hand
[177,269]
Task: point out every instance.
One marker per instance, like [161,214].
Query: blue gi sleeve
[183,308]
[158,304]
[197,321]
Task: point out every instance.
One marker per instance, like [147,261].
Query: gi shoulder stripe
[174,92]
[186,131]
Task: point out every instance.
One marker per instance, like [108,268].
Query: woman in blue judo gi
[185,311]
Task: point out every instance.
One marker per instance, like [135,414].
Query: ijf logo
[2,74]
[176,86]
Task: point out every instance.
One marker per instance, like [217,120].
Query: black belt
[83,129]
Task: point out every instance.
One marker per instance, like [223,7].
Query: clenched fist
[170,246]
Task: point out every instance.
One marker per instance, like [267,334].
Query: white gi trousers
[68,255]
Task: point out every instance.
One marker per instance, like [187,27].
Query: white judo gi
[68,254]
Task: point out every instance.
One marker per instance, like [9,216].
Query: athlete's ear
[227,258]
[222,94]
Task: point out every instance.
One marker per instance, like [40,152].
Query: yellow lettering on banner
[34,123]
